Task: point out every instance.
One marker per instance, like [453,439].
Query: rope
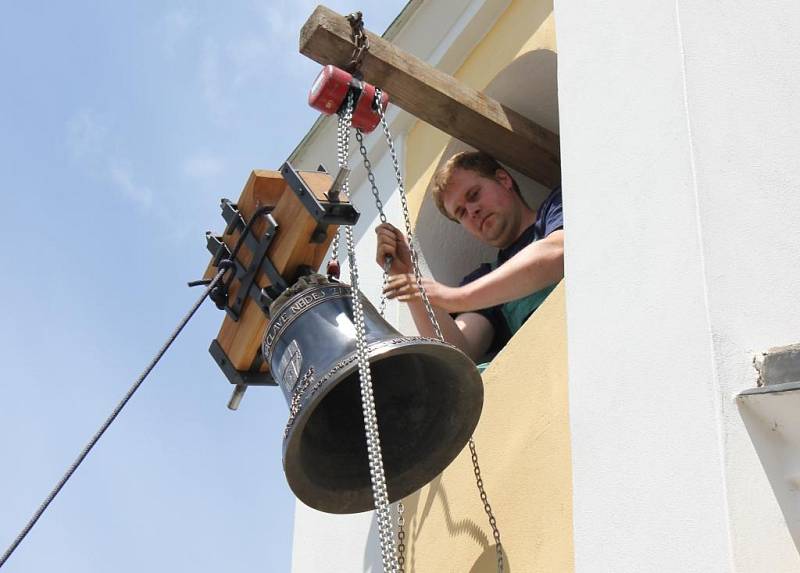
[112,417]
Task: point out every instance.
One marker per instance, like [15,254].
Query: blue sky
[121,126]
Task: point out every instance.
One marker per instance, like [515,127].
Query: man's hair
[481,163]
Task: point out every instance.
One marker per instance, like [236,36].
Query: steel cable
[112,417]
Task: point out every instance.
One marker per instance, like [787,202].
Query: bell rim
[379,350]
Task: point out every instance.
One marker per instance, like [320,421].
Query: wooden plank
[262,188]
[438,98]
[290,249]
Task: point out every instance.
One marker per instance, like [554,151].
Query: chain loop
[360,41]
[407,218]
[378,205]
[401,538]
[377,475]
[486,506]
[396,560]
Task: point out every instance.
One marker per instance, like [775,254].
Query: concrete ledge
[778,365]
[771,389]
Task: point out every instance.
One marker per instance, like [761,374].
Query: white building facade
[679,144]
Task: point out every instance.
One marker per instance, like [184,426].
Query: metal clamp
[332,212]
[259,262]
[241,379]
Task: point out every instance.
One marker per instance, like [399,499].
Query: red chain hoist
[329,95]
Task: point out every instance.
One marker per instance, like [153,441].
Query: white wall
[679,147]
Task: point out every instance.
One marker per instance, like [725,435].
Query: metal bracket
[259,262]
[234,376]
[331,212]
[217,248]
[239,378]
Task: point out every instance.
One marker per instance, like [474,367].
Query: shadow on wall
[528,86]
[773,423]
[415,519]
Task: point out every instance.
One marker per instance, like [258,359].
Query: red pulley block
[329,95]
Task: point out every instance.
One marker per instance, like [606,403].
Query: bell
[428,399]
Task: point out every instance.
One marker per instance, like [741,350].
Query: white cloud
[249,57]
[124,181]
[174,28]
[213,82]
[86,135]
[90,143]
[202,166]
[257,54]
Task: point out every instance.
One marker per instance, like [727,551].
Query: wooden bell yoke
[297,216]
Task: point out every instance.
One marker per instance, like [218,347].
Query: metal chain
[377,475]
[401,534]
[335,246]
[378,205]
[434,321]
[360,41]
[401,538]
[406,217]
[486,506]
[370,175]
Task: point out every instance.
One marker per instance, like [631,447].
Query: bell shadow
[415,525]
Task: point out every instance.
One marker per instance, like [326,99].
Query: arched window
[528,85]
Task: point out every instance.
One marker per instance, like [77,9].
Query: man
[492,302]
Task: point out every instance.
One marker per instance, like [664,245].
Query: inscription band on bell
[295,306]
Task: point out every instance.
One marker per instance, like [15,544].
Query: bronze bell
[428,399]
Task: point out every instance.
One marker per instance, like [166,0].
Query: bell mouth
[428,400]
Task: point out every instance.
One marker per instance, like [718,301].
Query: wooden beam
[438,98]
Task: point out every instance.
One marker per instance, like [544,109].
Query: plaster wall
[523,446]
[523,436]
[680,178]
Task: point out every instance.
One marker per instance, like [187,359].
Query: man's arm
[536,266]
[471,332]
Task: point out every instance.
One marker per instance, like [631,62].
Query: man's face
[488,208]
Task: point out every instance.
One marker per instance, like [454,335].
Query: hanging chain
[378,205]
[360,41]
[434,321]
[407,218]
[401,538]
[486,506]
[401,534]
[342,150]
[377,475]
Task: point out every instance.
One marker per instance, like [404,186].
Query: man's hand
[392,243]
[404,288]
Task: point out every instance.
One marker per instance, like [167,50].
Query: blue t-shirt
[549,218]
